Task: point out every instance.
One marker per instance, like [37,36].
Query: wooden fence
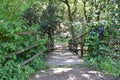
[75,46]
[79,48]
[48,45]
[17,53]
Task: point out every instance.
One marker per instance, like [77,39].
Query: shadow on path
[66,66]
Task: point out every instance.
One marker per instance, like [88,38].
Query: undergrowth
[108,66]
[100,54]
[15,71]
[12,25]
[59,40]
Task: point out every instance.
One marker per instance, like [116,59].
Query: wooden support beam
[30,59]
[26,33]
[81,36]
[21,51]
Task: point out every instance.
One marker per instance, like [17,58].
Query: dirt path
[66,66]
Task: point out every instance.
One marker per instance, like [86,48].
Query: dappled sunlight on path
[62,56]
[69,73]
[66,66]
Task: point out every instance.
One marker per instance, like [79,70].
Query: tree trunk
[97,10]
[75,8]
[70,18]
[85,12]
[51,40]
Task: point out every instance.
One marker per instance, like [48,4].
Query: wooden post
[82,45]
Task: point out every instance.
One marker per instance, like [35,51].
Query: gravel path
[66,66]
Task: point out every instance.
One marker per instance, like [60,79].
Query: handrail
[25,49]
[73,46]
[81,36]
[36,55]
[31,58]
[21,51]
[26,33]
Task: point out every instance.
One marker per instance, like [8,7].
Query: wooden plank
[81,36]
[26,33]
[25,49]
[21,51]
[30,59]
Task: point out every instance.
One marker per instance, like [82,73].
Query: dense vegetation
[26,23]
[16,35]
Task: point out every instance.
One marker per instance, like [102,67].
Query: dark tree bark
[85,12]
[100,7]
[70,17]
[69,10]
[97,10]
[75,8]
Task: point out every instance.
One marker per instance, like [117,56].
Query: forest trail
[66,66]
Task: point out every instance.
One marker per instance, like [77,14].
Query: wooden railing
[49,48]
[80,49]
[21,51]
[17,53]
[76,46]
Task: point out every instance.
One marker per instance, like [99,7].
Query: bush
[11,40]
[38,64]
[100,54]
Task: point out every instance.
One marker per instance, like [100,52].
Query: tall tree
[70,17]
[85,12]
[75,9]
[49,21]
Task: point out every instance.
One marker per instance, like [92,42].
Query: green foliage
[100,54]
[14,71]
[49,19]
[12,24]
[107,65]
[102,51]
[11,40]
[39,64]
[61,40]
[100,33]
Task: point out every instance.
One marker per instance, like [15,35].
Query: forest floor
[66,66]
